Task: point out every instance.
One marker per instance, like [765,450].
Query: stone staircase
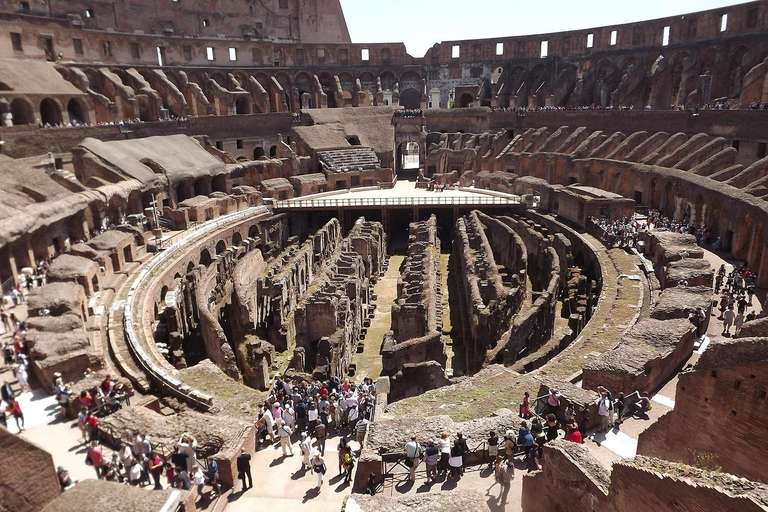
[345,160]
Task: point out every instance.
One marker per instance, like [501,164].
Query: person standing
[431,456]
[602,411]
[284,432]
[728,318]
[553,401]
[412,456]
[155,467]
[348,463]
[321,434]
[244,469]
[445,452]
[583,420]
[305,447]
[95,458]
[360,430]
[493,448]
[457,460]
[213,477]
[318,466]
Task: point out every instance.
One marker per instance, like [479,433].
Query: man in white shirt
[284,433]
[412,457]
[602,411]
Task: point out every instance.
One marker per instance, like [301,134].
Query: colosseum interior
[215,207]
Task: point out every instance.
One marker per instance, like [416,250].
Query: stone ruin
[412,352]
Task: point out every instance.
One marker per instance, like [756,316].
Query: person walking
[244,468]
[321,434]
[305,447]
[15,409]
[318,466]
[506,475]
[348,462]
[213,477]
[728,318]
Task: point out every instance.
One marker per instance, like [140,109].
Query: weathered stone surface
[99,495]
[29,479]
[458,500]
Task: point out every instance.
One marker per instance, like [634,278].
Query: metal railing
[378,202]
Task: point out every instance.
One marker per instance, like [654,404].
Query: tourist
[361,430]
[609,403]
[341,448]
[370,484]
[95,458]
[738,323]
[198,479]
[573,435]
[64,479]
[524,438]
[602,411]
[244,469]
[619,408]
[644,405]
[431,457]
[553,400]
[181,479]
[318,466]
[445,452]
[493,448]
[525,407]
[312,415]
[15,409]
[155,468]
[457,460]
[62,397]
[413,456]
[20,372]
[212,469]
[533,458]
[92,425]
[305,448]
[289,415]
[270,423]
[552,427]
[6,392]
[348,463]
[583,420]
[284,432]
[509,445]
[136,472]
[506,475]
[728,318]
[537,431]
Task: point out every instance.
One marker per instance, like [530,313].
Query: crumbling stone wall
[488,304]
[329,317]
[412,352]
[29,477]
[539,266]
[656,347]
[724,396]
[572,480]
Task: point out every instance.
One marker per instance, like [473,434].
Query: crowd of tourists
[737,292]
[309,412]
[123,124]
[409,113]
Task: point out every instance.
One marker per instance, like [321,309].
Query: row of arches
[48,111]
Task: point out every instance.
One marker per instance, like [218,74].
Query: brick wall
[21,464]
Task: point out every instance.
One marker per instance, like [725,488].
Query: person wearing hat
[305,446]
[318,466]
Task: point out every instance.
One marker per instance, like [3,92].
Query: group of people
[123,124]
[737,291]
[433,186]
[309,410]
[409,112]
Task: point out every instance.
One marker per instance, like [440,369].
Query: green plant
[706,461]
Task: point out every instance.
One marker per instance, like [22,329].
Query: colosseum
[239,251]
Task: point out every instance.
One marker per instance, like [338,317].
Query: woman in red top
[573,435]
[85,399]
[525,407]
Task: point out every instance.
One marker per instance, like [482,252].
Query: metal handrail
[395,201]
